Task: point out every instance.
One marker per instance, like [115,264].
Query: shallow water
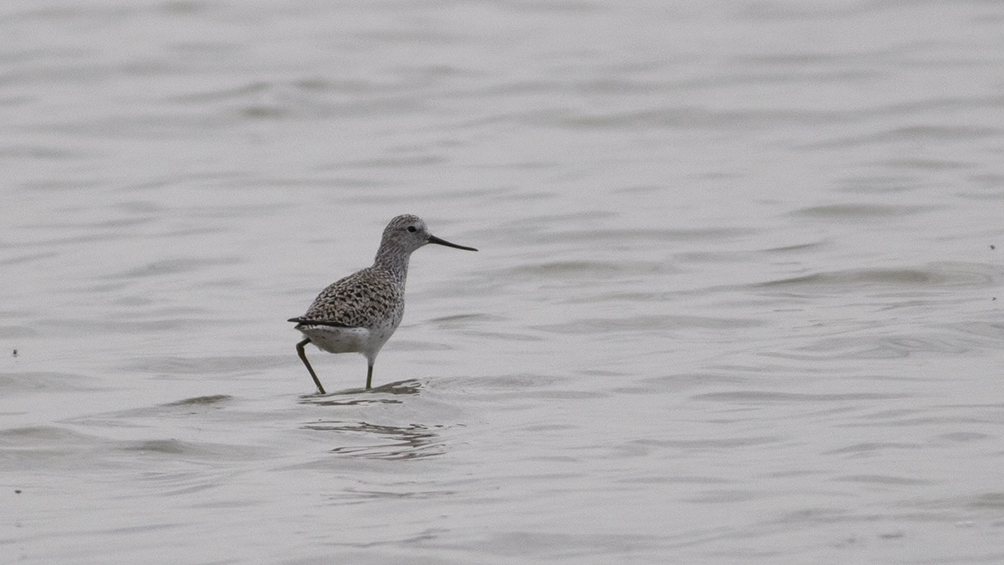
[738,297]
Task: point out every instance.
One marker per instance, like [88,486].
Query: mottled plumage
[361,299]
[360,312]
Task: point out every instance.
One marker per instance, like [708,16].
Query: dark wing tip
[307,322]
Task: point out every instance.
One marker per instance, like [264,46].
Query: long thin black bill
[436,240]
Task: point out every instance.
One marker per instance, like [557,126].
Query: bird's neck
[394,260]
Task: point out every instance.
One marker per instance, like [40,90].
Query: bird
[359,313]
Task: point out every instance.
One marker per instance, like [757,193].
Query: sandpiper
[359,313]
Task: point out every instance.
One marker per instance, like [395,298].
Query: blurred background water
[738,298]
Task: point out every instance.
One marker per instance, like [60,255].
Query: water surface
[737,299]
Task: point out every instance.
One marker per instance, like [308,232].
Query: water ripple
[412,441]
[933,275]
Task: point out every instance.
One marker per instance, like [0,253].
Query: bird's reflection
[391,442]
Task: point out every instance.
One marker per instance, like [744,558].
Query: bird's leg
[369,375]
[303,357]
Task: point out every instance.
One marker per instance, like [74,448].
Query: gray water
[738,298]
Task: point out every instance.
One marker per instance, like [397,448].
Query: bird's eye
[412,229]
